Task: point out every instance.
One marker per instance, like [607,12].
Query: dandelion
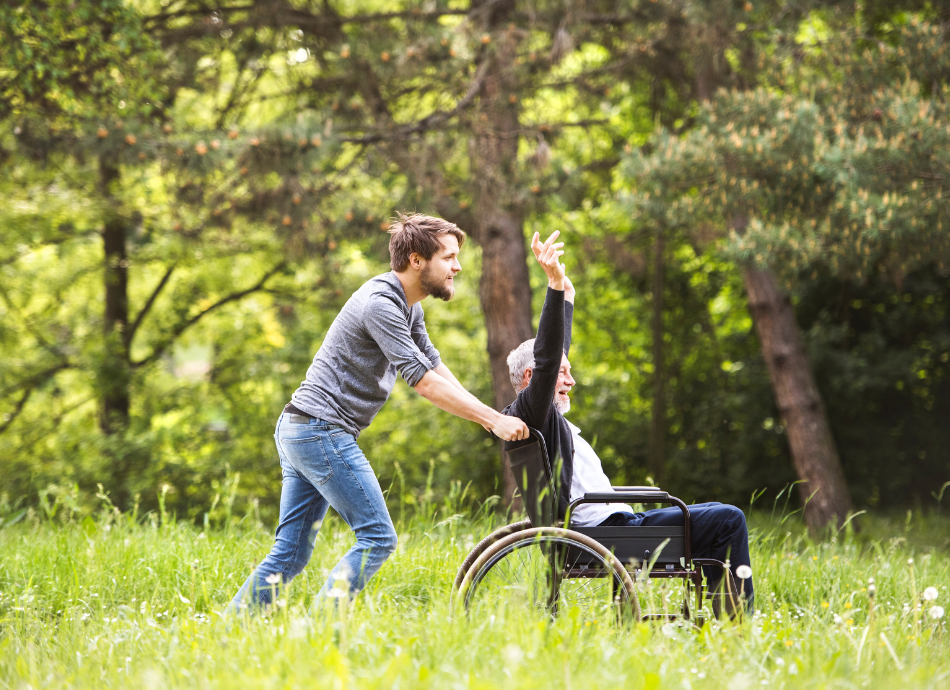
[847,605]
[272,579]
[337,593]
[930,594]
[838,619]
[743,572]
[824,604]
[936,612]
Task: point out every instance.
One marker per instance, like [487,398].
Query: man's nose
[457,266]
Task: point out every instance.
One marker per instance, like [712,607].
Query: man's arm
[568,313]
[445,373]
[569,294]
[455,400]
[386,324]
[534,403]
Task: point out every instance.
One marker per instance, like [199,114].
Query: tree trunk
[658,418]
[823,488]
[505,290]
[115,371]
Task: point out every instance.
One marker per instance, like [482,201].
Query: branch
[17,410]
[130,332]
[431,120]
[290,14]
[180,328]
[28,386]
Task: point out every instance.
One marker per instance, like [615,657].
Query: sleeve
[387,325]
[568,322]
[420,336]
[536,400]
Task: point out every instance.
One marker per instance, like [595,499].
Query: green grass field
[111,602]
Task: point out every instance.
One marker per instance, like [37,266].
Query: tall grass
[114,602]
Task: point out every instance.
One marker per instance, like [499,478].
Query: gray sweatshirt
[374,335]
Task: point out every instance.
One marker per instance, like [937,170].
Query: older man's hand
[548,255]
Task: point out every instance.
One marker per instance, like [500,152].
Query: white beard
[562,407]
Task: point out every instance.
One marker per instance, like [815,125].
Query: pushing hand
[510,428]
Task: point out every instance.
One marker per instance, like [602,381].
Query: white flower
[780,661]
[930,594]
[272,579]
[936,612]
[910,561]
[837,619]
[337,593]
[743,572]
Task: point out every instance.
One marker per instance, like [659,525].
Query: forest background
[752,194]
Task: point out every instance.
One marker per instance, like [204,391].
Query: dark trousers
[715,530]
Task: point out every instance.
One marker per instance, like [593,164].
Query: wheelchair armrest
[635,496]
[636,488]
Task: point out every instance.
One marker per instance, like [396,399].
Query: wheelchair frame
[594,552]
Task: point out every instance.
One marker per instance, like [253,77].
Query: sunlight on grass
[114,603]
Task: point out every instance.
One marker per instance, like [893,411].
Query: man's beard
[434,287]
[562,407]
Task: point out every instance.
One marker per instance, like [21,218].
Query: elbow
[424,386]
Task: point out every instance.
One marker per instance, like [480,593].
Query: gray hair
[519,360]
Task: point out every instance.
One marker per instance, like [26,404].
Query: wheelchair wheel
[480,547]
[553,571]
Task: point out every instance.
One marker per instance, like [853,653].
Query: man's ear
[526,378]
[416,261]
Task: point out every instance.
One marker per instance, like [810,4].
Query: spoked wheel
[550,570]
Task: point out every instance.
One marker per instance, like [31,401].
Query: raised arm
[534,402]
[569,294]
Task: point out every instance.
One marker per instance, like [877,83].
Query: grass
[112,602]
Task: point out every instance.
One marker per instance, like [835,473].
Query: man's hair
[416,233]
[519,360]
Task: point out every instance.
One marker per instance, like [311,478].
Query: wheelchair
[545,565]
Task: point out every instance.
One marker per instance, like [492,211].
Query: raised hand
[548,254]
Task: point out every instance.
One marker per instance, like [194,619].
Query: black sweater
[535,404]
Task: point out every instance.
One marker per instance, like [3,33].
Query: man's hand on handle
[510,428]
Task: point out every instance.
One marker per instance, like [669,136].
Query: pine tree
[836,166]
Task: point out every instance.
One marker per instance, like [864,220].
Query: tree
[818,177]
[447,103]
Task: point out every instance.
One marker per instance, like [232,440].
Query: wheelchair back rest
[534,478]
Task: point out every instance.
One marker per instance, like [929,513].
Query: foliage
[254,153]
[116,602]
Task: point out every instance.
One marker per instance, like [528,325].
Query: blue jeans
[716,531]
[322,467]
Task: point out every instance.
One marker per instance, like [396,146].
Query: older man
[541,373]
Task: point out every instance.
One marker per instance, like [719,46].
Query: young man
[541,373]
[378,332]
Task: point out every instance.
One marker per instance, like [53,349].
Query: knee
[389,542]
[384,542]
[730,515]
